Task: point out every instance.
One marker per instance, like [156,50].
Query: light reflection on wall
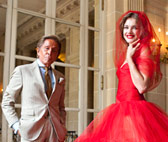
[1,90]
[62,57]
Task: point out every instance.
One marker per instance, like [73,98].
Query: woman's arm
[140,80]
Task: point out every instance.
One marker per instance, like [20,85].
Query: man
[42,96]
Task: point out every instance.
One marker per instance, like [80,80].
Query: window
[78,24]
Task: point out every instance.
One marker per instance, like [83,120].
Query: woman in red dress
[132,118]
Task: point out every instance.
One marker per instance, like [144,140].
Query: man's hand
[18,132]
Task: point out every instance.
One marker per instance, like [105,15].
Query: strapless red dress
[130,119]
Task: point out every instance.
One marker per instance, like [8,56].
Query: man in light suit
[42,115]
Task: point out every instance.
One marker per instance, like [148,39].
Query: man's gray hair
[53,37]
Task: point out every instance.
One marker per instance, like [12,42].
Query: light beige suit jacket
[27,81]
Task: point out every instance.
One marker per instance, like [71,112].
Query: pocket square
[60,80]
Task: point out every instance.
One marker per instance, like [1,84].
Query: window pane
[71,85]
[70,37]
[33,5]
[2,28]
[90,117]
[93,49]
[68,10]
[93,94]
[94,13]
[30,30]
[71,125]
[3,2]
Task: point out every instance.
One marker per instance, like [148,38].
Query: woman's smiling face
[131,30]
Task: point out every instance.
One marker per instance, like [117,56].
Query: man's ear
[37,50]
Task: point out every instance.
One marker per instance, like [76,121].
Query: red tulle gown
[130,119]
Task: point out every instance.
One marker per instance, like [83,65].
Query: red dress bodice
[126,89]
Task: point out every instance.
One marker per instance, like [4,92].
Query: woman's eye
[135,27]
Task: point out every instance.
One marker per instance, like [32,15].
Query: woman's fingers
[135,42]
[136,46]
[131,49]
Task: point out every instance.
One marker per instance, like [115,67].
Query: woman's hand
[132,48]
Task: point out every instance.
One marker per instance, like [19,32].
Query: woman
[132,118]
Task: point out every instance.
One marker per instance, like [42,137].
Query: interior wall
[156,11]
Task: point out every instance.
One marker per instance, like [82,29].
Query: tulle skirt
[129,121]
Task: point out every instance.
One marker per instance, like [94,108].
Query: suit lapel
[56,80]
[38,76]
